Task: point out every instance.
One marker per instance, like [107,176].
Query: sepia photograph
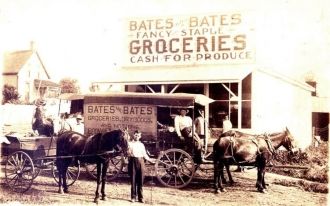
[164,102]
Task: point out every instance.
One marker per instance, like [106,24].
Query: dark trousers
[136,170]
[193,146]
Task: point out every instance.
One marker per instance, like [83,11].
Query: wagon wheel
[174,168]
[37,168]
[19,171]
[116,165]
[71,175]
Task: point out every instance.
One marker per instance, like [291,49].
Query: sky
[83,39]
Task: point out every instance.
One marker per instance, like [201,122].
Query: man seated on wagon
[183,128]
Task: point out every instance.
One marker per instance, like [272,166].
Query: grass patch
[314,158]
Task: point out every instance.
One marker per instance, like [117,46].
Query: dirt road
[198,192]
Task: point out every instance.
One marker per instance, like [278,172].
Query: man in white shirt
[183,128]
[136,167]
[79,126]
[183,124]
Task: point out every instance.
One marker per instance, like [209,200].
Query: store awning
[159,99]
[178,75]
[71,96]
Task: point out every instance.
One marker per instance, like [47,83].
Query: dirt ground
[198,192]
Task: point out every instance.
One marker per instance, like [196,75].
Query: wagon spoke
[165,174]
[168,181]
[12,164]
[16,178]
[181,178]
[23,163]
[167,165]
[179,160]
[168,158]
[8,175]
[11,179]
[15,161]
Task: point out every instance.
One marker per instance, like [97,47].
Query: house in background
[25,70]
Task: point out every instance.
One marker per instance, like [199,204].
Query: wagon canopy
[158,99]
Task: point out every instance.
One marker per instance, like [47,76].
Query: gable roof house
[25,70]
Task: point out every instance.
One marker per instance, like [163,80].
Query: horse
[248,150]
[42,125]
[97,149]
[235,133]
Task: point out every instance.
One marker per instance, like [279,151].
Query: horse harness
[98,142]
[230,147]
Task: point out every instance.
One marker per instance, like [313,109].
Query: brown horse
[248,150]
[94,149]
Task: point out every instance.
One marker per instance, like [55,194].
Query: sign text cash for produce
[226,38]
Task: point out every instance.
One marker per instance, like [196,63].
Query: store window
[227,103]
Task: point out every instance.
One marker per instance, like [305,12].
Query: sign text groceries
[223,38]
[105,117]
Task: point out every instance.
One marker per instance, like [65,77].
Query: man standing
[200,124]
[136,167]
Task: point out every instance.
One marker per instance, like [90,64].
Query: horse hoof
[60,191]
[96,200]
[217,191]
[66,191]
[261,190]
[223,190]
[104,198]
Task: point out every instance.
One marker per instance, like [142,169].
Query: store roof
[192,74]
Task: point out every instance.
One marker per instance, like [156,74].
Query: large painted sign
[106,117]
[222,38]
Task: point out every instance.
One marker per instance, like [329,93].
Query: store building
[214,55]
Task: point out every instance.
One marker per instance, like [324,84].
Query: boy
[136,168]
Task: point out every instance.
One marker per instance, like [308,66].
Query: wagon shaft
[290,167]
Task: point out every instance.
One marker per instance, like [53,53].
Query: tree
[69,85]
[10,94]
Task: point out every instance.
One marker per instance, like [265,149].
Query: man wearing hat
[183,128]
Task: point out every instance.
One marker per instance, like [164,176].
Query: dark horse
[97,149]
[42,125]
[248,150]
